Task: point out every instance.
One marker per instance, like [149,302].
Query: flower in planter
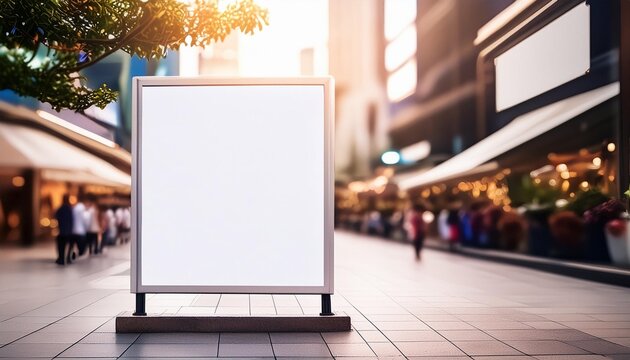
[616,227]
[605,212]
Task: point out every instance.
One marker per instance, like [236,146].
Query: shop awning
[24,147]
[522,129]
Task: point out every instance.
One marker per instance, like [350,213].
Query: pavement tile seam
[391,342]
[273,351]
[482,330]
[423,322]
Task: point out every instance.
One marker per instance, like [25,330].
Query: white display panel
[233,185]
[554,55]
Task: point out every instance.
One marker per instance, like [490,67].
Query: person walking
[454,233]
[65,221]
[416,229]
[93,225]
[111,228]
[126,225]
[79,230]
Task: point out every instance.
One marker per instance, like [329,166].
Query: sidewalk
[606,274]
[446,306]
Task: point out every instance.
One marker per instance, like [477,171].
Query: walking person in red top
[416,228]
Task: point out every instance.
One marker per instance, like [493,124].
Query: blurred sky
[275,51]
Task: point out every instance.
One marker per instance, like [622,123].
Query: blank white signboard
[232,185]
[554,55]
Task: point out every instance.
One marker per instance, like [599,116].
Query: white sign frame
[554,55]
[139,83]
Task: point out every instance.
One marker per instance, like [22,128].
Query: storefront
[545,180]
[40,163]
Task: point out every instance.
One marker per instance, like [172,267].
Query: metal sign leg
[326,306]
[140,305]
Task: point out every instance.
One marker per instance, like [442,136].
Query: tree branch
[115,48]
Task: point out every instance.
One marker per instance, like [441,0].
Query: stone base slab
[127,323]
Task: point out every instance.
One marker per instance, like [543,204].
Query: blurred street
[446,306]
[445,142]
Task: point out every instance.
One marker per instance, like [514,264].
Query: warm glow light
[428,217]
[561,167]
[390,157]
[597,161]
[403,81]
[537,181]
[13,220]
[565,185]
[553,182]
[565,175]
[45,222]
[357,186]
[611,147]
[18,181]
[379,181]
[584,185]
[77,129]
[562,203]
[542,170]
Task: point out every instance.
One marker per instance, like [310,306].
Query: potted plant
[567,229]
[610,216]
[512,229]
[618,237]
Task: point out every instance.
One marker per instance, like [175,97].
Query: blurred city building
[45,154]
[506,116]
[501,118]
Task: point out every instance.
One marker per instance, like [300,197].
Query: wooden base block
[128,323]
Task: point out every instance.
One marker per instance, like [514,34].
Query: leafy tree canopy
[74,34]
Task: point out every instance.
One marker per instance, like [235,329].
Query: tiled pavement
[446,307]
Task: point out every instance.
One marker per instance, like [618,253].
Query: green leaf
[40,41]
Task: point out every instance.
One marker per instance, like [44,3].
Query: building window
[401,46]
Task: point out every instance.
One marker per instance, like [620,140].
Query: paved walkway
[446,307]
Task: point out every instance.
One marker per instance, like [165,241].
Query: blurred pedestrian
[374,224]
[442,223]
[491,216]
[64,220]
[111,228]
[123,218]
[454,232]
[79,230]
[476,222]
[416,228]
[93,225]
[397,223]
